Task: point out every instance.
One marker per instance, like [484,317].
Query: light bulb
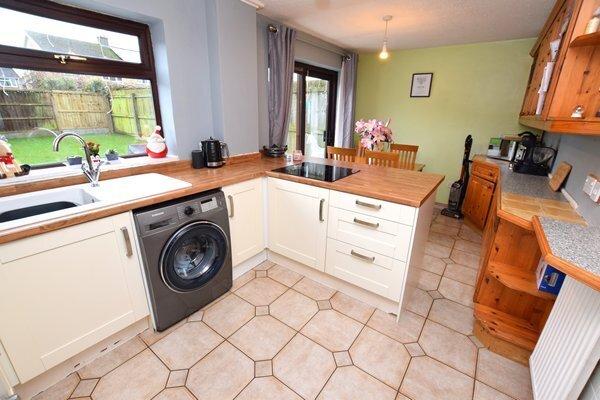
[384,53]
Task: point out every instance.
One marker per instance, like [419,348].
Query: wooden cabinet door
[63,291]
[246,219]
[477,200]
[298,221]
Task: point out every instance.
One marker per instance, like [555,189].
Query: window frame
[22,58]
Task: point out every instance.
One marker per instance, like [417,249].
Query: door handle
[231,208]
[366,223]
[128,248]
[321,203]
[369,205]
[362,256]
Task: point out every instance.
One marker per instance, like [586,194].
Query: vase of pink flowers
[374,134]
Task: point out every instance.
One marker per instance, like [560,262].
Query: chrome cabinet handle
[231,208]
[321,203]
[369,205]
[362,256]
[366,223]
[128,248]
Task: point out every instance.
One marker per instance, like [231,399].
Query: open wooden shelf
[517,279]
[591,39]
[507,327]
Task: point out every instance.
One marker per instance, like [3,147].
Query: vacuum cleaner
[459,188]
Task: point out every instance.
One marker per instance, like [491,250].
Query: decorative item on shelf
[112,155]
[549,279]
[594,23]
[74,160]
[8,166]
[297,155]
[374,134]
[578,112]
[275,150]
[156,147]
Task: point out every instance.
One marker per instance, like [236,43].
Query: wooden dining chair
[407,154]
[360,151]
[341,153]
[382,158]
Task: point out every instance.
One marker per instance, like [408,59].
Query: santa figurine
[156,147]
[6,155]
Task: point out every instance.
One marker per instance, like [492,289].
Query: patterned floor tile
[179,393]
[84,388]
[484,392]
[177,378]
[111,360]
[428,379]
[294,309]
[221,375]
[461,273]
[332,330]
[228,315]
[242,280]
[468,246]
[440,238]
[433,264]
[262,337]
[428,280]
[380,356]
[456,291]
[450,347]
[60,391]
[263,368]
[407,330]
[504,375]
[304,366]
[140,378]
[351,307]
[284,276]
[452,315]
[261,291]
[437,250]
[464,258]
[267,388]
[313,289]
[352,383]
[418,301]
[342,358]
[444,229]
[184,347]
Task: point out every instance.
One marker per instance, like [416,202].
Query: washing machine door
[193,256]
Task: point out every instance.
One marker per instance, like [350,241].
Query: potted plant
[374,134]
[74,160]
[112,155]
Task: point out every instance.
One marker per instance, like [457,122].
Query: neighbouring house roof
[63,45]
[8,73]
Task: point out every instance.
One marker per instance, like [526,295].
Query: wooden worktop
[390,184]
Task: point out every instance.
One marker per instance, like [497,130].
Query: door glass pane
[29,31]
[317,100]
[292,139]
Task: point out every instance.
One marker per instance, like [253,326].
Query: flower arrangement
[373,133]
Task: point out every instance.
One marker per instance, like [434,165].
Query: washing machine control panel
[189,209]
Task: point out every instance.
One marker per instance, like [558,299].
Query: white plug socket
[590,183]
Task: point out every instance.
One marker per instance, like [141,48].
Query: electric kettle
[215,152]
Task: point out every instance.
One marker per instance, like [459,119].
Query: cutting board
[559,176]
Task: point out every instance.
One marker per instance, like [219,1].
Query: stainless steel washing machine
[185,246]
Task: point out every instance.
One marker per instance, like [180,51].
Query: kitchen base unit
[366,247]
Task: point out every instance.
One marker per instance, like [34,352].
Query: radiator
[569,347]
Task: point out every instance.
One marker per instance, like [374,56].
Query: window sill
[44,174]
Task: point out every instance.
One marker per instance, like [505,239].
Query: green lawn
[38,150]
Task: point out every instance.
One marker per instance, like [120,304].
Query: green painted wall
[477,89]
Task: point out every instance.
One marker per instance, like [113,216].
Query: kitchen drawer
[485,171]
[371,271]
[373,207]
[385,237]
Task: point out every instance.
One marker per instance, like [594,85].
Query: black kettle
[215,152]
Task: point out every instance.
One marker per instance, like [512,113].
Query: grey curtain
[281,72]
[344,132]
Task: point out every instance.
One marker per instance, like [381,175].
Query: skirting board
[370,298]
[250,263]
[62,370]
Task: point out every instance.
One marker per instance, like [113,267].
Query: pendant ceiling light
[384,52]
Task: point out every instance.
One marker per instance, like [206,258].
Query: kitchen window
[67,69]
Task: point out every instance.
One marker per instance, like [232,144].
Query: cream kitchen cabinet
[246,219]
[64,291]
[298,221]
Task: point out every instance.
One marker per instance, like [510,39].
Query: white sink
[30,208]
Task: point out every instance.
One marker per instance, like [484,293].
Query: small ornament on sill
[578,112]
[9,167]
[156,147]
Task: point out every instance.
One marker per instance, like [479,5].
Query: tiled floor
[279,335]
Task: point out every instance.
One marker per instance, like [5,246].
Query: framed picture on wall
[421,84]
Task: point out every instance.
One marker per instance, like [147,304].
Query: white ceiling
[357,24]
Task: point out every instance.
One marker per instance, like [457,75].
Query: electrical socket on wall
[591,187]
